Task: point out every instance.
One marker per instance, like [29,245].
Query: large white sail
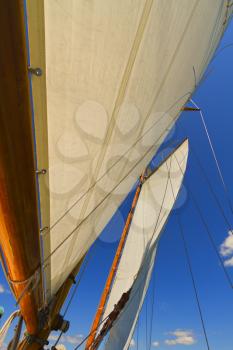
[115,77]
[154,205]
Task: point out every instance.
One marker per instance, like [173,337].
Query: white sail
[5,328]
[115,77]
[154,205]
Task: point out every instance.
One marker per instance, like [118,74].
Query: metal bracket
[41,172]
[43,230]
[36,71]
[61,324]
[33,339]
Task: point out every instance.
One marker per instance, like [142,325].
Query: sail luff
[19,224]
[113,270]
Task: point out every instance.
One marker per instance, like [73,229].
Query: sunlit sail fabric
[155,202]
[115,76]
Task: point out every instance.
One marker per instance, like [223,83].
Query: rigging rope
[152,310]
[209,234]
[191,273]
[193,281]
[214,156]
[77,283]
[229,226]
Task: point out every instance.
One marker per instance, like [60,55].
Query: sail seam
[119,99]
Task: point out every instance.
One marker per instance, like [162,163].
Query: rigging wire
[152,310]
[193,281]
[138,328]
[215,157]
[191,272]
[209,234]
[203,172]
[86,263]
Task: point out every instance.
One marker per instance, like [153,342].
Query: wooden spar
[190,109]
[57,305]
[113,270]
[19,224]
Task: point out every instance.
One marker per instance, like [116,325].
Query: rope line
[193,282]
[191,273]
[80,275]
[229,226]
[209,234]
[214,156]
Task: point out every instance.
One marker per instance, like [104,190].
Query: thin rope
[138,328]
[152,310]
[229,226]
[193,282]
[191,274]
[215,157]
[207,230]
[80,275]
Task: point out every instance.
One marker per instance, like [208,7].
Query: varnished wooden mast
[19,226]
[113,270]
[54,312]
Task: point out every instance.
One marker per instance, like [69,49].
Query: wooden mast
[113,270]
[19,224]
[58,302]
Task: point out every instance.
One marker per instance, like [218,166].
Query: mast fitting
[30,339]
[36,71]
[61,325]
[41,171]
[43,230]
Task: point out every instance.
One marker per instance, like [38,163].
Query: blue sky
[176,322]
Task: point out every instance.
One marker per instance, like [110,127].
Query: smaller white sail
[135,268]
[5,328]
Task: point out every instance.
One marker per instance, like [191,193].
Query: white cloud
[70,339]
[182,337]
[60,347]
[155,344]
[226,247]
[228,262]
[75,339]
[2,289]
[52,337]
